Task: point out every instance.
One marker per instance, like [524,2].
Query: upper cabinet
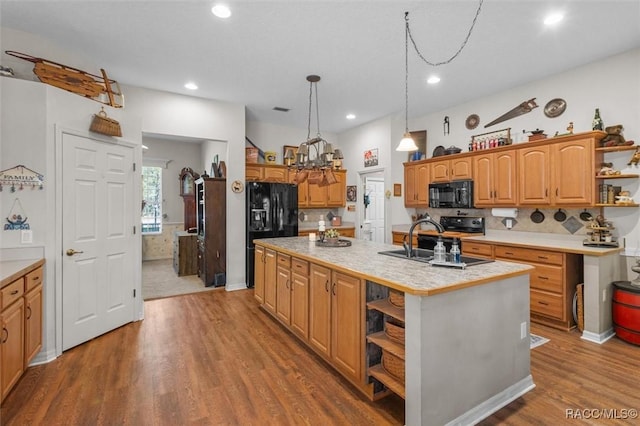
[559,171]
[416,184]
[494,175]
[451,169]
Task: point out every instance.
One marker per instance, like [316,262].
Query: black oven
[453,225]
[451,195]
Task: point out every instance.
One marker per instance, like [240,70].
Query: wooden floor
[214,358]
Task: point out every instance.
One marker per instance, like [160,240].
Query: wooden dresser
[185,253]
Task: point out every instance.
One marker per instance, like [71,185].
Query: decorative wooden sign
[19,177]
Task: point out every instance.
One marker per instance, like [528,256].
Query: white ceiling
[262,54]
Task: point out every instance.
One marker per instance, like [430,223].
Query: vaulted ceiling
[261,55]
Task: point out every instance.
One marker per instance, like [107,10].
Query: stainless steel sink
[426,256]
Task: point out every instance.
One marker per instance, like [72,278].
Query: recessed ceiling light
[433,79]
[221,11]
[351,116]
[191,86]
[553,18]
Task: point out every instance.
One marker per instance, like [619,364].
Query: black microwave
[457,194]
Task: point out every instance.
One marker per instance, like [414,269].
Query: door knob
[71,252]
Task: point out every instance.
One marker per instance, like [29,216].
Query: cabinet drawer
[547,304]
[477,249]
[547,278]
[300,266]
[12,292]
[33,278]
[529,255]
[284,260]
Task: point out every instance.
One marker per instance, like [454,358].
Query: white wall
[613,85]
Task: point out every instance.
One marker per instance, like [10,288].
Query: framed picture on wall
[352,194]
[371,157]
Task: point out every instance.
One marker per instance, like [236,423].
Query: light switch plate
[26,236]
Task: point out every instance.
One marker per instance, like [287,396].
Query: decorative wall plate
[555,107]
[472,121]
[438,151]
[237,186]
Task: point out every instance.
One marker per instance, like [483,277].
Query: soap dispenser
[439,252]
[455,251]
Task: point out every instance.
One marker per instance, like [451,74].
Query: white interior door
[374,213]
[97,203]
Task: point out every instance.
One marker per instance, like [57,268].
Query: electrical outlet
[26,236]
[509,223]
[523,330]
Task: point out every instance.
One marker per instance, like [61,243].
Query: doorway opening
[372,210]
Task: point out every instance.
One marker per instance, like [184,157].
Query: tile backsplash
[572,225]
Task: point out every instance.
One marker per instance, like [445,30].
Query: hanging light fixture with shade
[316,158]
[407,143]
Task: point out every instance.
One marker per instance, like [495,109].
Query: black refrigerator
[272,211]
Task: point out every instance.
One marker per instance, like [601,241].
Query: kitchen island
[466,345]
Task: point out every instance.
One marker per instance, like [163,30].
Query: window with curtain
[151,200]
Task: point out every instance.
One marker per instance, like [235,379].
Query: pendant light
[407,143]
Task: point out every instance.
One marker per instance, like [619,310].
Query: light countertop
[557,242]
[11,270]
[362,259]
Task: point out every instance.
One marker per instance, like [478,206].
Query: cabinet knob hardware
[326,285]
[543,303]
[14,292]
[28,312]
[543,257]
[71,252]
[509,253]
[5,333]
[333,289]
[543,278]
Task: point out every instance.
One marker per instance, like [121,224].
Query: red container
[626,311]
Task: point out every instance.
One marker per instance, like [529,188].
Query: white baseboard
[493,404]
[598,338]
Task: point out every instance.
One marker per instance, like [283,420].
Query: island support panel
[465,354]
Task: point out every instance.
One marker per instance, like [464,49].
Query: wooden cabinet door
[300,297]
[410,197]
[317,195]
[440,171]
[258,277]
[572,165]
[461,169]
[33,324]
[270,277]
[483,180]
[534,175]
[253,172]
[346,335]
[422,185]
[283,292]
[320,309]
[12,346]
[276,174]
[337,192]
[505,178]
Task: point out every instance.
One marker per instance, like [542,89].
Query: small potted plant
[332,235]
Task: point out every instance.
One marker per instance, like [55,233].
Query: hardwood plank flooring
[215,358]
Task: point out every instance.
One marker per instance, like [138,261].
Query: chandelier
[316,158]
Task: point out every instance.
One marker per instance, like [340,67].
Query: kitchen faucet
[408,248]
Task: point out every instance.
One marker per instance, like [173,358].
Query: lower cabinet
[322,307]
[258,270]
[21,325]
[552,284]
